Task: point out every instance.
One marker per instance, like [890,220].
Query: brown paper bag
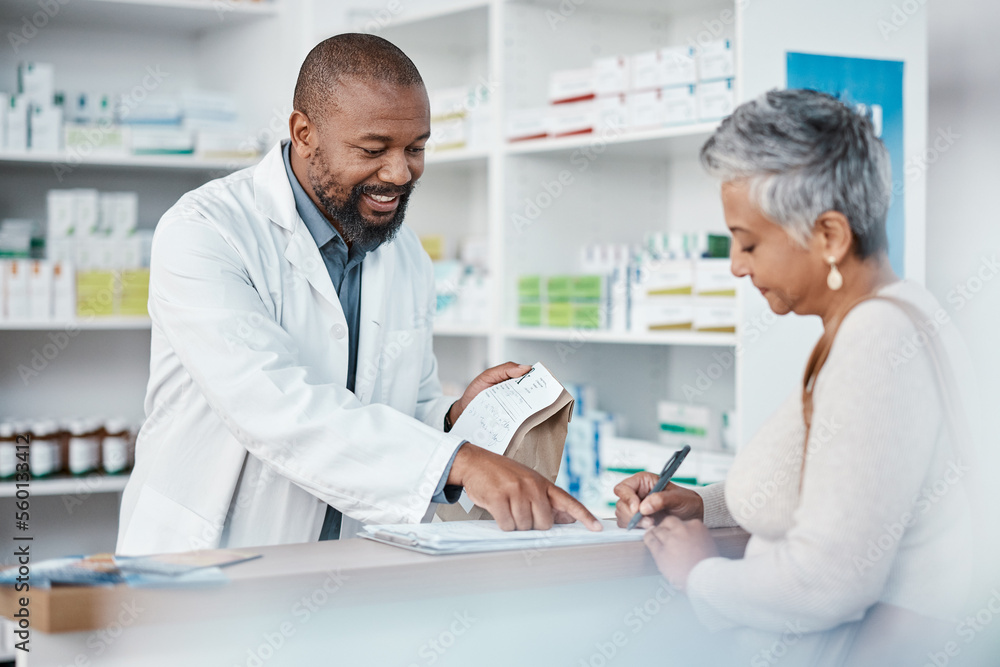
[537,443]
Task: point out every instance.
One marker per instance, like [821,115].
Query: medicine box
[611,114]
[661,314]
[36,82]
[645,109]
[572,118]
[714,278]
[715,315]
[63,291]
[715,99]
[647,70]
[39,290]
[684,424]
[611,75]
[716,61]
[680,105]
[559,314]
[527,124]
[571,85]
[678,66]
[15,287]
[17,124]
[559,289]
[45,123]
[663,278]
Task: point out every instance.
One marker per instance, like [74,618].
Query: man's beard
[356,228]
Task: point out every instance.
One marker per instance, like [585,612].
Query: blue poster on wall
[874,87]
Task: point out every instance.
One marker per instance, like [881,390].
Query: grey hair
[803,153]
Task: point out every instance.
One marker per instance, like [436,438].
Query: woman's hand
[677,546]
[634,496]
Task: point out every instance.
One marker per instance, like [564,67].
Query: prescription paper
[494,415]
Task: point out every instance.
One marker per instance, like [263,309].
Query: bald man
[293,388]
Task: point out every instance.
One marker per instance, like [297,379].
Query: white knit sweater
[883,513]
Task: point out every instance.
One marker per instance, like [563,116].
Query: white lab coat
[250,430]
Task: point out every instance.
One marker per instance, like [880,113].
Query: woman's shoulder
[907,309]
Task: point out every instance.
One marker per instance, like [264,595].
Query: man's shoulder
[220,200]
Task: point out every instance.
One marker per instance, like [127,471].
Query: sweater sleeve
[716,513]
[875,422]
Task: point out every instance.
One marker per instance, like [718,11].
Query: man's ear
[832,233]
[303,134]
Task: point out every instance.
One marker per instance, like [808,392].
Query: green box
[587,289]
[586,316]
[560,315]
[529,289]
[529,315]
[560,289]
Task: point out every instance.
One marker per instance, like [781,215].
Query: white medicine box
[611,114]
[678,66]
[715,99]
[571,85]
[716,61]
[645,109]
[611,75]
[36,82]
[39,290]
[527,124]
[680,105]
[572,118]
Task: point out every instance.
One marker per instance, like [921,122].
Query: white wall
[964,178]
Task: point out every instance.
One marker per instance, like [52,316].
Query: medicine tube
[84,446]
[115,448]
[8,450]
[44,449]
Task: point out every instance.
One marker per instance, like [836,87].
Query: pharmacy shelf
[461,330]
[457,156]
[67,485]
[576,335]
[109,323]
[437,10]
[676,139]
[636,7]
[182,16]
[66,161]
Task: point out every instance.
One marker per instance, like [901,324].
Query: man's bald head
[351,56]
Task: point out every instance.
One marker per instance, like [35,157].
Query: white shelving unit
[100,365]
[632,182]
[66,485]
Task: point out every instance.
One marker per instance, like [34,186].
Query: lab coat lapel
[376,276]
[273,197]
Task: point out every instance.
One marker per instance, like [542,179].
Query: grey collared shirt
[344,267]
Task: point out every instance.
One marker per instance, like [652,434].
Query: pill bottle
[8,450]
[115,450]
[44,449]
[84,446]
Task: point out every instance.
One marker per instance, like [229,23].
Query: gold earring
[834,280]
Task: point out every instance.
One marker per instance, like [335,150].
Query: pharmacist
[293,388]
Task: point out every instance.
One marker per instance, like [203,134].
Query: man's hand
[633,496]
[484,380]
[517,497]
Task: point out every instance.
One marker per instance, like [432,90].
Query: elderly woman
[870,510]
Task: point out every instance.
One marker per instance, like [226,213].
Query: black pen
[668,471]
